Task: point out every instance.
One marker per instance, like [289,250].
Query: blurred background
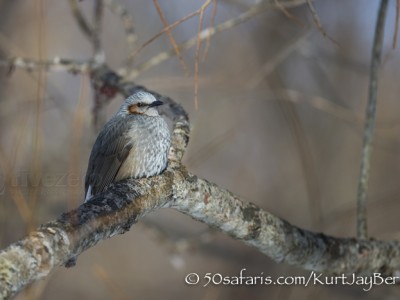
[278,122]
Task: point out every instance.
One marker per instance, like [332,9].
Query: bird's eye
[140,104]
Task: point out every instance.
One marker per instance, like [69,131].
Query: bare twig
[275,61]
[370,123]
[76,140]
[396,26]
[98,13]
[97,20]
[317,22]
[212,22]
[133,54]
[92,32]
[127,22]
[37,135]
[197,53]
[171,37]
[56,64]
[288,15]
[84,25]
[204,34]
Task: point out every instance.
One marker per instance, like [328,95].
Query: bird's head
[141,103]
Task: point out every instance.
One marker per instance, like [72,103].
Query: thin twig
[317,22]
[127,22]
[370,123]
[287,13]
[37,134]
[56,64]
[124,71]
[84,25]
[132,55]
[204,34]
[90,31]
[197,53]
[283,9]
[97,21]
[275,61]
[76,139]
[396,26]
[171,37]
[212,22]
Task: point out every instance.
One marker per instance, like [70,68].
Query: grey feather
[129,145]
[109,152]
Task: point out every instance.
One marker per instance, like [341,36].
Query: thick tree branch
[125,202]
[54,243]
[280,240]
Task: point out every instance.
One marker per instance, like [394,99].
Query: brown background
[287,139]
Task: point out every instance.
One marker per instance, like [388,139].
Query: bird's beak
[156,103]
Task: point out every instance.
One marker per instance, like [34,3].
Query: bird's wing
[109,152]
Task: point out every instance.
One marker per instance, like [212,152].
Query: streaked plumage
[133,143]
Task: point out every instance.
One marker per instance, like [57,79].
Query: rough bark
[124,203]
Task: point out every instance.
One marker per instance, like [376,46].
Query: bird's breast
[149,154]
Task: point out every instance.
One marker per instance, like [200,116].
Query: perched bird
[133,143]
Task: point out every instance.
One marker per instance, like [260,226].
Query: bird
[134,143]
